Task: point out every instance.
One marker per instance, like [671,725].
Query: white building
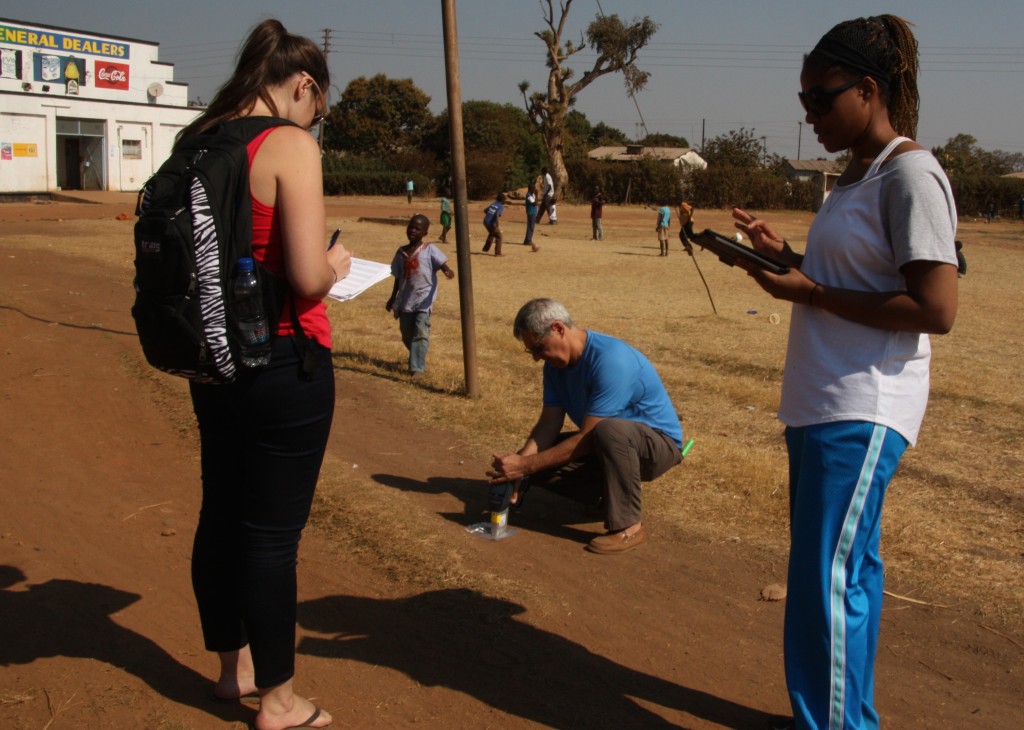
[681,157]
[83,111]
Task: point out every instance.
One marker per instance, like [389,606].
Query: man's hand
[506,468]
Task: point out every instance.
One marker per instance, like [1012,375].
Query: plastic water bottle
[253,331]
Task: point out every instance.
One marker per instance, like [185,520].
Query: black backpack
[195,223]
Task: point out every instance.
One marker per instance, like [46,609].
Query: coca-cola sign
[111,75]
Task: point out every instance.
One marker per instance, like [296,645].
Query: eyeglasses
[818,100]
[319,117]
[538,344]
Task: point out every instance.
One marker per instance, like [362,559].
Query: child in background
[446,214]
[685,212]
[492,222]
[664,218]
[415,268]
[531,217]
[596,212]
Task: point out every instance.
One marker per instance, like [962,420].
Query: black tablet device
[730,251]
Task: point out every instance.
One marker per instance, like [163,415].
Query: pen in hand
[334,238]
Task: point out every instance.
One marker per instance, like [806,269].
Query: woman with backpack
[263,436]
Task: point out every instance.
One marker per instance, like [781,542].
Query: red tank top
[268,250]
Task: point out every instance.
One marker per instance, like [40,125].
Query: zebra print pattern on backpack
[212,296]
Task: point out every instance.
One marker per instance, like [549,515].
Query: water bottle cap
[245,264]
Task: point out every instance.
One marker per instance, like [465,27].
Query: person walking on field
[547,199]
[415,266]
[531,217]
[492,222]
[664,219]
[410,187]
[596,212]
[262,437]
[446,214]
[877,277]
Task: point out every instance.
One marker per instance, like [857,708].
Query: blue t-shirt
[664,216]
[612,380]
[531,204]
[493,212]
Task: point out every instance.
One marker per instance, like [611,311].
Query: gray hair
[537,316]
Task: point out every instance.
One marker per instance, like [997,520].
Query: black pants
[262,443]
[545,207]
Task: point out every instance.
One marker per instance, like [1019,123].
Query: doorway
[80,158]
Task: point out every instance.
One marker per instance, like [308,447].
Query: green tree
[962,157]
[738,148]
[378,117]
[660,139]
[502,151]
[616,45]
[604,136]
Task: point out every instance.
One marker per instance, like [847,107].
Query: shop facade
[83,111]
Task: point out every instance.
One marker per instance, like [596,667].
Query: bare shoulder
[291,140]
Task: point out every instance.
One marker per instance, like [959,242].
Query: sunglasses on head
[818,100]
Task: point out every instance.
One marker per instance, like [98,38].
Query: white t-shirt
[838,370]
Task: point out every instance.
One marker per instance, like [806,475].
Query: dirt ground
[98,499]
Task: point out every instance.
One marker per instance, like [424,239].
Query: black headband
[850,57]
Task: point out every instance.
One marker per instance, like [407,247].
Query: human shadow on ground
[542,511]
[472,644]
[68,618]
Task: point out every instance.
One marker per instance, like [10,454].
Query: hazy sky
[716,66]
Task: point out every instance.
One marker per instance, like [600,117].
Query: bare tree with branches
[616,44]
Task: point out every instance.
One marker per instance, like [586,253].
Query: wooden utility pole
[320,127]
[458,150]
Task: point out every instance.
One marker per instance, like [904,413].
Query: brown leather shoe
[617,542]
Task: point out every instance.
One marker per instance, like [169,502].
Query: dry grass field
[954,525]
[404,617]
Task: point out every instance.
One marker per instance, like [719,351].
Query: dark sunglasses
[818,100]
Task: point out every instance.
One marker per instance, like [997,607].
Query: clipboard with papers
[361,277]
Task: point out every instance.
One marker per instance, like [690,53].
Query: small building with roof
[681,157]
[822,173]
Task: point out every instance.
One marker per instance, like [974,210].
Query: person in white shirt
[878,276]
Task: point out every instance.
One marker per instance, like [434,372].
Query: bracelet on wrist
[810,295]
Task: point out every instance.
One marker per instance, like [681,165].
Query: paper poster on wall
[10,63]
[26,149]
[6,151]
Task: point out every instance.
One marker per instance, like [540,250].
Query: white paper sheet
[363,275]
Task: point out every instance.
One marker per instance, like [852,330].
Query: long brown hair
[269,57]
[884,48]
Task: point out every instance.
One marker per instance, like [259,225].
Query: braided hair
[884,48]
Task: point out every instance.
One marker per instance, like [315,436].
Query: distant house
[676,156]
[823,173]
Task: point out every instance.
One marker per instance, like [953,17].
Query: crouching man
[628,428]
